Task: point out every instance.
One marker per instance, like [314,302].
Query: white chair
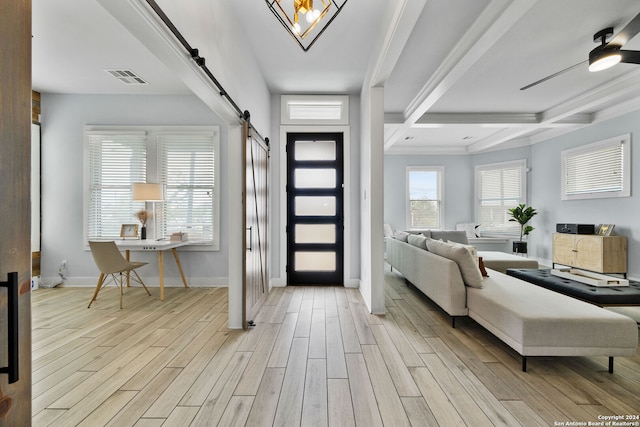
[110,262]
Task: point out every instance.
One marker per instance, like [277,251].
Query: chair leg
[141,282]
[98,287]
[121,284]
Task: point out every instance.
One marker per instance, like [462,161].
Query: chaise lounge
[533,321]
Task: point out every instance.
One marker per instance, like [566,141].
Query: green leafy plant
[522,214]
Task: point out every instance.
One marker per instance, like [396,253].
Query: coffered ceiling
[451,70]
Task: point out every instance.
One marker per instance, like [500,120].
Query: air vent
[127,77]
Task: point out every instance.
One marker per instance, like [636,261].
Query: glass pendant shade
[305,20]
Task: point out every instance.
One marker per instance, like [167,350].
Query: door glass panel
[315,178]
[315,150]
[315,261]
[315,233]
[315,206]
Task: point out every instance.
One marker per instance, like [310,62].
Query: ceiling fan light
[605,62]
[602,58]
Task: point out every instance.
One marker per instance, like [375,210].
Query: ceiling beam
[495,120]
[495,20]
[561,115]
[399,21]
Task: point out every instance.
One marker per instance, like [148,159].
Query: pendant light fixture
[304,20]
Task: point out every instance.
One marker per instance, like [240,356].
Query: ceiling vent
[127,77]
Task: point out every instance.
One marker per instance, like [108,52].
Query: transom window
[499,187]
[598,170]
[182,158]
[424,196]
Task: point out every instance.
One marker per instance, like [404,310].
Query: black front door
[315,228]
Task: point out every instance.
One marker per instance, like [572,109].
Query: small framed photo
[605,229]
[129,231]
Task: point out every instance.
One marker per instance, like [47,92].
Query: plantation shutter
[187,168]
[500,189]
[115,162]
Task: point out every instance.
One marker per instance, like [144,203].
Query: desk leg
[128,256]
[175,255]
[161,269]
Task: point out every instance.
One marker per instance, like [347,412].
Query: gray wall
[458,188]
[545,182]
[543,191]
[63,119]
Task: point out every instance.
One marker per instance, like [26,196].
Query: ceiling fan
[607,54]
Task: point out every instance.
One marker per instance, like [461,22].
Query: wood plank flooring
[316,357]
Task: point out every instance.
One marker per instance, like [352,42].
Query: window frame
[152,134]
[592,148]
[440,188]
[520,164]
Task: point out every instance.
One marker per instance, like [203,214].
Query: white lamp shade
[147,192]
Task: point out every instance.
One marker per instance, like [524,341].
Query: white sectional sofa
[534,321]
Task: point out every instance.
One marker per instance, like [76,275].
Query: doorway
[315,208]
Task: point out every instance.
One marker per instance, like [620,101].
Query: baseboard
[279,282]
[152,282]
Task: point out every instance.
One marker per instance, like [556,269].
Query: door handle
[12,327]
[250,238]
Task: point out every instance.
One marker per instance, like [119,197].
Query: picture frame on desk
[129,231]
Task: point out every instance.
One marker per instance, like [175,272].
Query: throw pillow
[483,270]
[388,231]
[472,250]
[468,267]
[418,240]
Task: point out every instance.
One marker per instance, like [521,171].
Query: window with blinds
[115,160]
[597,170]
[424,194]
[187,168]
[499,187]
[181,157]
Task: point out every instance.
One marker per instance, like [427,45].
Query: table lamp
[147,192]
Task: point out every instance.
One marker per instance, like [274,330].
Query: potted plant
[522,214]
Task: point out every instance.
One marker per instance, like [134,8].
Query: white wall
[545,183]
[277,193]
[372,199]
[63,118]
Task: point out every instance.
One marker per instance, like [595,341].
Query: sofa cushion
[458,236]
[417,240]
[468,267]
[402,236]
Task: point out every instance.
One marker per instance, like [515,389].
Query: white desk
[158,246]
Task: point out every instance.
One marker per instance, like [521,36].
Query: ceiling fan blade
[553,75]
[630,56]
[627,33]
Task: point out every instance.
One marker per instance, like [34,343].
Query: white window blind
[596,170]
[115,162]
[424,189]
[187,168]
[500,187]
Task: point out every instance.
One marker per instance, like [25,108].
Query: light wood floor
[314,358]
